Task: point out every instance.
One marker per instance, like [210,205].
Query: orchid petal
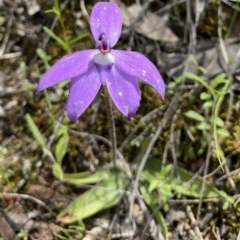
[69,66]
[124,93]
[83,89]
[138,66]
[106,18]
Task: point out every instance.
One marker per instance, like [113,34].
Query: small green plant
[71,232]
[208,116]
[64,42]
[212,99]
[23,234]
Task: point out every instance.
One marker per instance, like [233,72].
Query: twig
[192,29]
[169,6]
[194,223]
[220,35]
[27,197]
[238,237]
[227,2]
[209,154]
[83,8]
[143,122]
[229,176]
[161,125]
[10,55]
[192,201]
[7,34]
[236,171]
[151,221]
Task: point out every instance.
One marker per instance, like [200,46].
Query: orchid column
[117,70]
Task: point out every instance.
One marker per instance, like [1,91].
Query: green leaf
[194,115]
[43,55]
[207,104]
[181,181]
[57,7]
[218,80]
[56,38]
[223,132]
[79,37]
[35,131]
[156,180]
[219,122]
[153,185]
[86,177]
[172,85]
[51,11]
[179,79]
[21,71]
[202,69]
[106,194]
[201,79]
[49,105]
[205,96]
[203,126]
[186,183]
[62,145]
[57,171]
[195,77]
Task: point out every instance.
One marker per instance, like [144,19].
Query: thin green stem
[112,129]
[200,80]
[59,15]
[216,109]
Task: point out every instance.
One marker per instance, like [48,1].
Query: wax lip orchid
[118,70]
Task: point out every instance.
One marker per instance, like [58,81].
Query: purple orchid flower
[118,70]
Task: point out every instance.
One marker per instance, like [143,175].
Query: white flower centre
[104,58]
